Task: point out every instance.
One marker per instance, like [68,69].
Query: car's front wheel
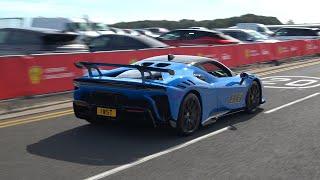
[253,98]
[189,115]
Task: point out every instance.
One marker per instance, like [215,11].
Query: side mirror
[91,48]
[243,77]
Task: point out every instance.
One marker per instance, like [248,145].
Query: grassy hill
[184,23]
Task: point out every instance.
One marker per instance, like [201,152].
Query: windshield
[257,35]
[11,22]
[79,26]
[262,29]
[99,27]
[152,43]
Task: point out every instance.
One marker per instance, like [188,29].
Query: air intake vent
[185,84]
[162,64]
[191,82]
[147,64]
[181,86]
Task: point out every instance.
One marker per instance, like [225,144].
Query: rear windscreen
[135,74]
[57,39]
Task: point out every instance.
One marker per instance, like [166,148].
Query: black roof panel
[186,59]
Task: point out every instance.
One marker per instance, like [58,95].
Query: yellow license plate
[106,112]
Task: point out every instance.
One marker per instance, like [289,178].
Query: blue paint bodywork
[216,95]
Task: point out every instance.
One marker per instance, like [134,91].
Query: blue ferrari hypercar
[182,91]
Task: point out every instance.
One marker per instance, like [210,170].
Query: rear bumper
[158,116]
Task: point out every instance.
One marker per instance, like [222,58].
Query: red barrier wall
[41,74]
[225,54]
[53,73]
[252,53]
[14,77]
[38,74]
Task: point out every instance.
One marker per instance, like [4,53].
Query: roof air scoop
[170,57]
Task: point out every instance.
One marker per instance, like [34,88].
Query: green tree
[185,23]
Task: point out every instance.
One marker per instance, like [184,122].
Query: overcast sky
[112,11]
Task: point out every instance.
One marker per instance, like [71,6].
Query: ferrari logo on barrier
[247,53]
[251,53]
[283,49]
[310,46]
[133,61]
[35,74]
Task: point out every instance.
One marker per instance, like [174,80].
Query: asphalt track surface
[281,141]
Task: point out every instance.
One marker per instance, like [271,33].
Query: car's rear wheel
[253,98]
[189,115]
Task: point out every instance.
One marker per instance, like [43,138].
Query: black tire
[253,98]
[189,115]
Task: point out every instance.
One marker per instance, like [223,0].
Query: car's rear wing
[94,66]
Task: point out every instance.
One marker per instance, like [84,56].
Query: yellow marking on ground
[266,69]
[288,68]
[35,118]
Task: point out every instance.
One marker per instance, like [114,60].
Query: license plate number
[106,112]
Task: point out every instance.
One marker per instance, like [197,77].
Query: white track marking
[290,82]
[299,84]
[153,156]
[283,87]
[291,103]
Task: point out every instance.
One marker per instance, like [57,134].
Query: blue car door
[231,95]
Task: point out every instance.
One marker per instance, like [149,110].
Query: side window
[260,29]
[219,36]
[100,43]
[309,32]
[24,38]
[233,34]
[298,32]
[4,37]
[190,35]
[126,43]
[175,35]
[134,44]
[294,32]
[243,36]
[229,34]
[282,32]
[215,69]
[70,27]
[205,34]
